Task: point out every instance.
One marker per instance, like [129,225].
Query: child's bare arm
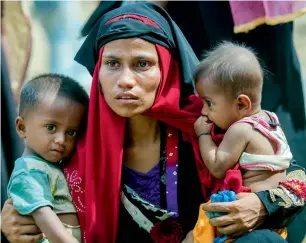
[51,226]
[220,159]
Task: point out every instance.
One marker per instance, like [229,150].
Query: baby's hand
[202,125]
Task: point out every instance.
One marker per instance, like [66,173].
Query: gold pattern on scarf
[298,175]
[288,198]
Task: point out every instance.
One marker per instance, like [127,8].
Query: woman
[139,163]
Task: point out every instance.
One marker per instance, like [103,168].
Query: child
[52,114]
[229,81]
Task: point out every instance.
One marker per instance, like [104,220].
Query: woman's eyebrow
[141,56]
[144,56]
[110,56]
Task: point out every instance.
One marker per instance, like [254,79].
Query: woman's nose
[126,79]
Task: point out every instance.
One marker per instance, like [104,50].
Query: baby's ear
[20,127]
[244,103]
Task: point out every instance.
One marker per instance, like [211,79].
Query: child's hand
[202,125]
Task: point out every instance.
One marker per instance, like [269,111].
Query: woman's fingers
[29,229]
[25,220]
[18,228]
[20,234]
[29,238]
[222,220]
[9,214]
[225,207]
[229,229]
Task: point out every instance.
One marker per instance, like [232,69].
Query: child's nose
[204,111]
[60,138]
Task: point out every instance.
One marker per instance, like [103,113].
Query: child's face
[51,130]
[220,109]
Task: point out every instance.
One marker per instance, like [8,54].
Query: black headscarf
[168,35]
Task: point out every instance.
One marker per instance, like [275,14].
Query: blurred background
[55,30]
[43,36]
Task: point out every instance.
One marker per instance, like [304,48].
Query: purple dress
[147,185]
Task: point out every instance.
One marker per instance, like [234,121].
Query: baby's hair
[234,68]
[50,85]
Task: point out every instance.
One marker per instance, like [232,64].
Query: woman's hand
[244,214]
[18,228]
[202,125]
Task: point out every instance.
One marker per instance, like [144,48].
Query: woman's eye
[208,103]
[72,133]
[143,64]
[112,64]
[51,128]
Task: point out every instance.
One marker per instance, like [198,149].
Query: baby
[52,115]
[229,81]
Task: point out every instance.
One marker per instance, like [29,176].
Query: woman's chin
[128,113]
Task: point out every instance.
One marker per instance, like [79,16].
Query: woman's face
[129,76]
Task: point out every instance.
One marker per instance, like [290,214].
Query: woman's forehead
[131,46]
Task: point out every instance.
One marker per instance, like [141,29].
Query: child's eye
[208,103]
[51,127]
[72,133]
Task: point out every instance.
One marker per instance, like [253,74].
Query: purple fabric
[171,188]
[244,12]
[147,185]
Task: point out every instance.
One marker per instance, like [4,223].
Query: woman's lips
[127,101]
[127,97]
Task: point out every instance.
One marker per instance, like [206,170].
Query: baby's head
[229,80]
[52,114]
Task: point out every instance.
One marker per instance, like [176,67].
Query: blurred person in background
[56,27]
[15,45]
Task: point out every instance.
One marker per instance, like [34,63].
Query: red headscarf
[94,173]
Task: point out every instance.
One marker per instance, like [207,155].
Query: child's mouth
[208,120]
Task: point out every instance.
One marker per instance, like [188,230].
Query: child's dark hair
[52,84]
[234,68]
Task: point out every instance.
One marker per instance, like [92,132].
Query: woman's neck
[141,130]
